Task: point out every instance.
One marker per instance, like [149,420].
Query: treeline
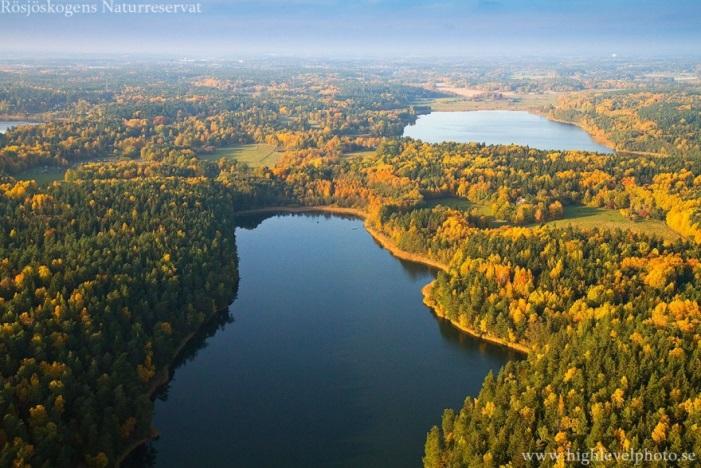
[612,320]
[574,296]
[26,99]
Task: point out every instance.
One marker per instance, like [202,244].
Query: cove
[327,357]
[502,128]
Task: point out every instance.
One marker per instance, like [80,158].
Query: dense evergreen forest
[101,281]
[105,273]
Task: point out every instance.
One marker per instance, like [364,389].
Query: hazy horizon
[368,28]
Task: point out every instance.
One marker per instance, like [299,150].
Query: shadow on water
[469,343]
[415,271]
[195,345]
[251,221]
[145,455]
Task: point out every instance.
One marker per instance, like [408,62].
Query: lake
[502,128]
[5,125]
[327,357]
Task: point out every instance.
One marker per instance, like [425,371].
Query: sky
[347,28]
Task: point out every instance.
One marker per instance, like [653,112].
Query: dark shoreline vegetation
[187,350]
[104,274]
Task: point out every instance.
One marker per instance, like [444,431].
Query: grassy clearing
[255,155]
[517,101]
[42,175]
[47,174]
[582,217]
[450,202]
[481,210]
[359,154]
[588,218]
[461,204]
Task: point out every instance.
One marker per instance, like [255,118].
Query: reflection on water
[197,344]
[146,454]
[333,359]
[413,270]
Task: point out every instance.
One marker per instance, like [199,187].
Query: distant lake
[5,125]
[331,358]
[502,128]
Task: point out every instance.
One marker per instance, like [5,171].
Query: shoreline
[384,241]
[595,136]
[159,380]
[440,313]
[357,212]
[390,246]
[602,139]
[164,376]
[598,138]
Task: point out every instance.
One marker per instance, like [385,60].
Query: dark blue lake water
[331,358]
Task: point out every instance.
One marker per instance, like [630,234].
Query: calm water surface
[501,128]
[4,126]
[331,358]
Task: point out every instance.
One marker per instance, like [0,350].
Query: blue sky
[371,27]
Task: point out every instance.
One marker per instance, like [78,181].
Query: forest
[105,273]
[642,121]
[101,281]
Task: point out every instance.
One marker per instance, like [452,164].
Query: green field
[359,154]
[583,217]
[588,218]
[47,174]
[43,175]
[450,202]
[462,204]
[523,101]
[255,155]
